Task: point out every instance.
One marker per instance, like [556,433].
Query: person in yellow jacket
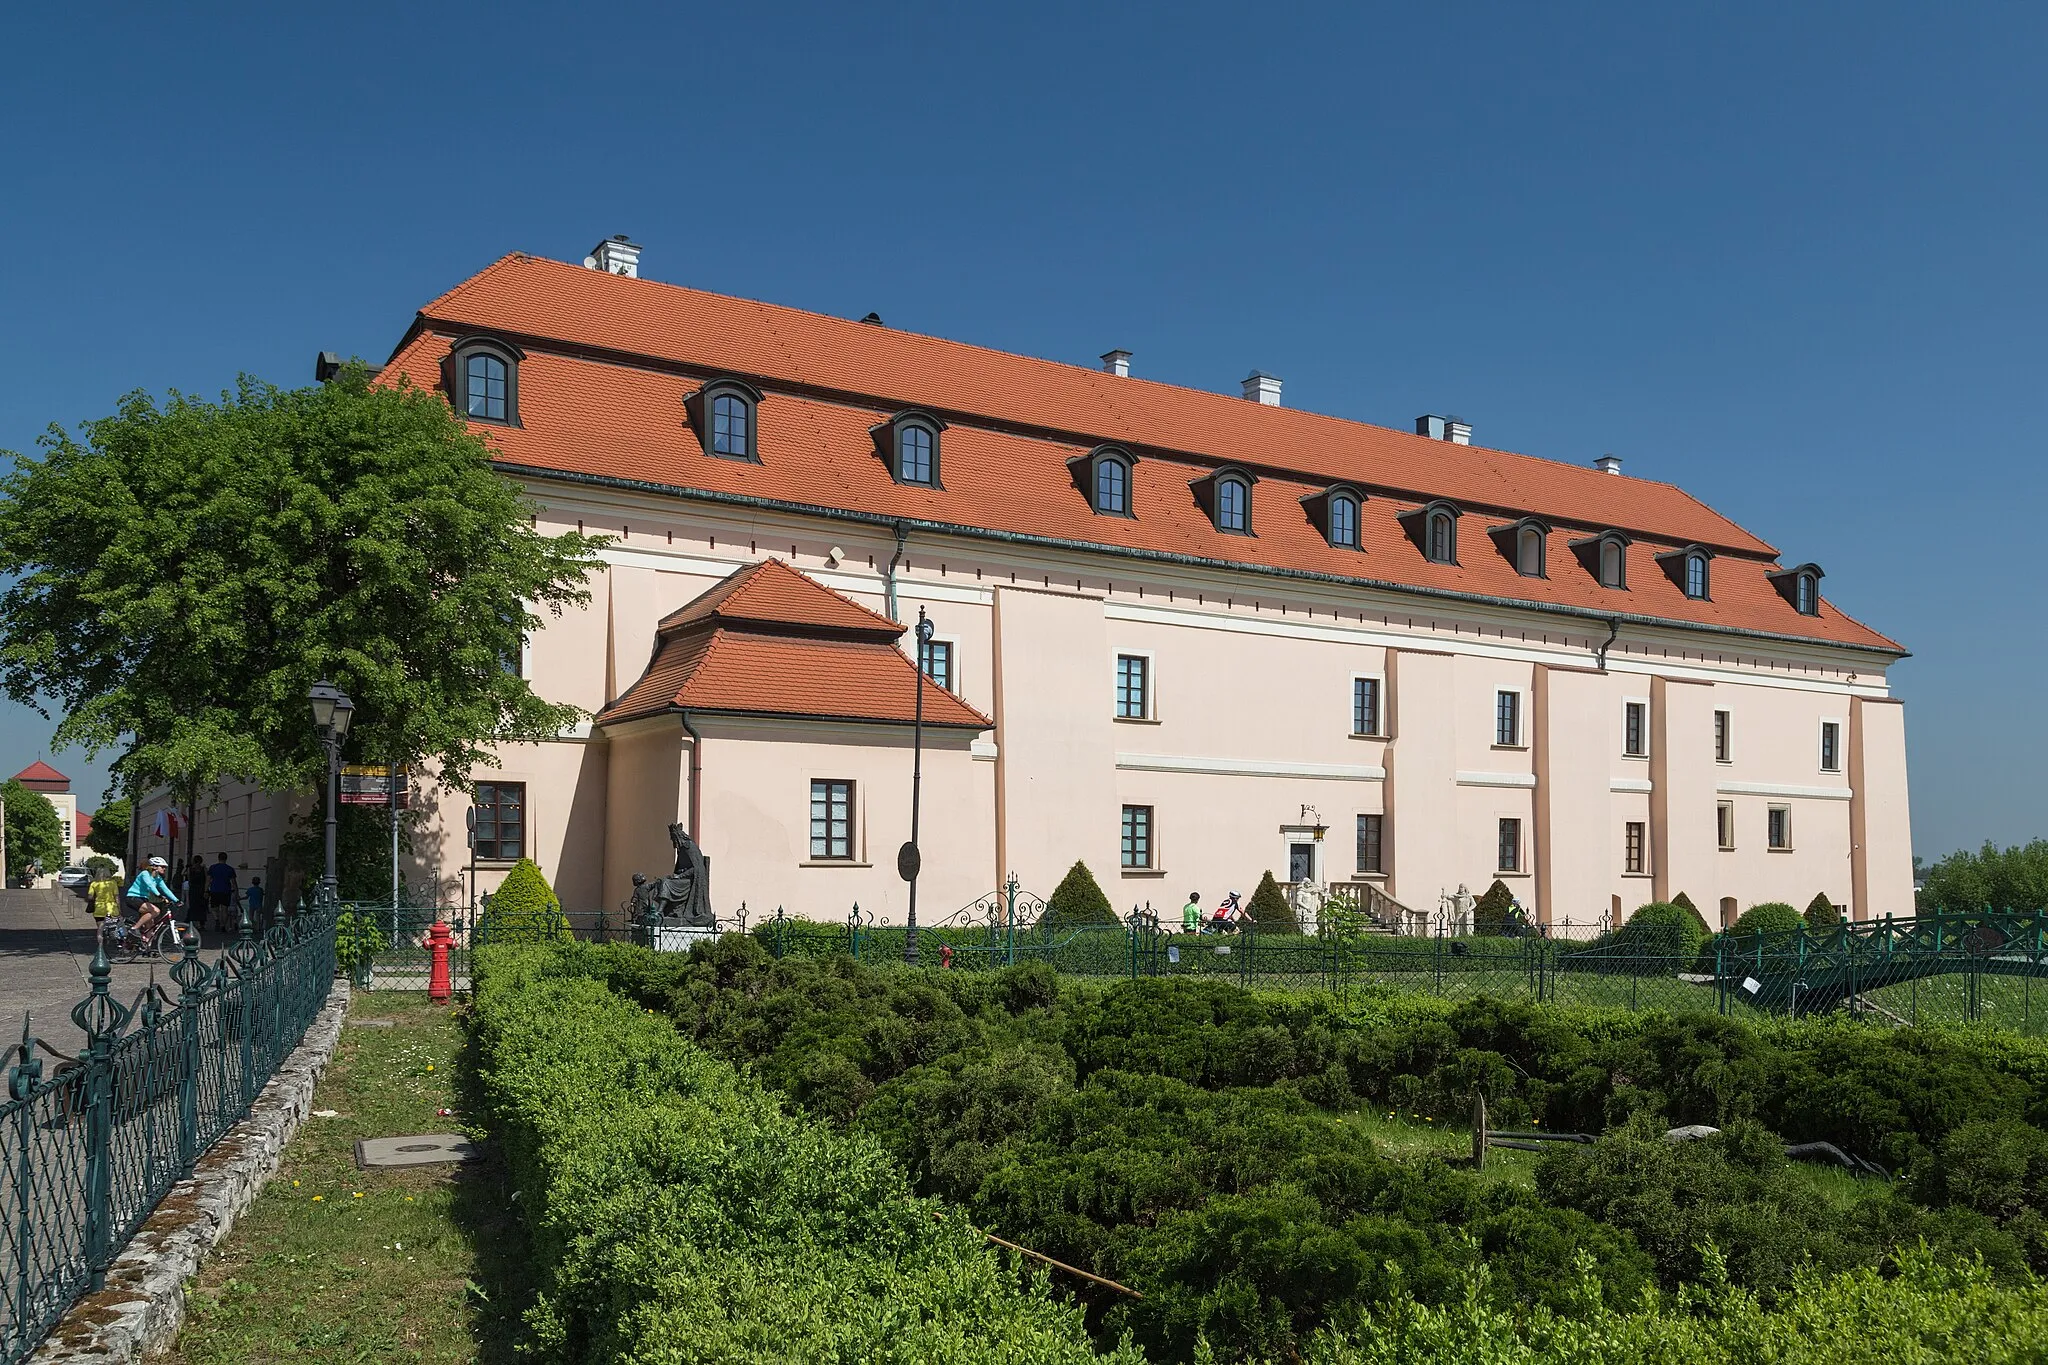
[105,895]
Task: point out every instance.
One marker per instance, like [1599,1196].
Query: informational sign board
[369,784]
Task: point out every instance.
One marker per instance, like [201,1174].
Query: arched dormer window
[1800,585]
[1434,529]
[726,414]
[1605,557]
[1526,545]
[482,379]
[1344,521]
[1226,496]
[1104,477]
[909,442]
[1688,567]
[1337,513]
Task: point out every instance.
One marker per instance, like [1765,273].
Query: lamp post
[909,860]
[332,711]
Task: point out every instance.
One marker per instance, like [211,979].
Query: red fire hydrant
[440,983]
[946,956]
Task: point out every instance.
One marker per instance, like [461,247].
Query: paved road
[46,945]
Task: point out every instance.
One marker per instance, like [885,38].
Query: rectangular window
[1778,828]
[1510,845]
[1365,706]
[1634,856]
[1635,729]
[1507,718]
[1721,737]
[1724,823]
[936,658]
[501,820]
[1133,687]
[1371,829]
[1830,747]
[1137,837]
[831,819]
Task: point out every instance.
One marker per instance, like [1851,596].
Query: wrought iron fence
[384,946]
[88,1150]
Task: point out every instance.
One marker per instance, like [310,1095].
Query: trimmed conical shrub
[1821,912]
[1078,900]
[1494,911]
[1269,908]
[525,909]
[1664,927]
[1684,902]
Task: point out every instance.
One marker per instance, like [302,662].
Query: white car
[74,879]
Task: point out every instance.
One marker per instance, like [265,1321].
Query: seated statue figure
[684,896]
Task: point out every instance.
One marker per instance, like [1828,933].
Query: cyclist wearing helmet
[150,894]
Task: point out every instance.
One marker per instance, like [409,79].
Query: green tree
[33,832]
[1269,908]
[110,828]
[1821,912]
[1492,912]
[1992,878]
[1078,900]
[180,573]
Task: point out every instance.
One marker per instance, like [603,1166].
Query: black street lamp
[908,858]
[332,711]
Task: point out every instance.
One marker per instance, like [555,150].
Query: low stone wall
[142,1306]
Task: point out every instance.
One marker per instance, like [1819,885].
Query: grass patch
[333,1263]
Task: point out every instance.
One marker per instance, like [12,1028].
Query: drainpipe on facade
[1600,654]
[889,575]
[696,779]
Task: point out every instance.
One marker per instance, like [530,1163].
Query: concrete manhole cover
[371,1023]
[420,1149]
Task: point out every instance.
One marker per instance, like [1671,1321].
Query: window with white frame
[1721,737]
[831,819]
[1137,837]
[1778,828]
[1510,851]
[1529,552]
[1507,719]
[1365,706]
[1830,746]
[1133,687]
[1635,729]
[936,658]
[1635,847]
[1724,824]
[1372,845]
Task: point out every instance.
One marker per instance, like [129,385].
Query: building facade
[1183,637]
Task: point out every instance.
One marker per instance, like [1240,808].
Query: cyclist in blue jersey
[151,895]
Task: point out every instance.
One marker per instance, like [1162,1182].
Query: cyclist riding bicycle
[151,896]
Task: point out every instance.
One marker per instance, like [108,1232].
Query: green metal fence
[385,946]
[88,1150]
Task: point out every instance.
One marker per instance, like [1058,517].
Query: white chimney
[1608,464]
[1117,363]
[1263,387]
[615,256]
[1457,431]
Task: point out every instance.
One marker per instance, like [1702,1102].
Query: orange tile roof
[610,361]
[769,641]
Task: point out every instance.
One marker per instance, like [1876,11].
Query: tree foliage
[1494,912]
[1269,908]
[34,833]
[181,572]
[1992,878]
[110,824]
[1821,912]
[1078,900]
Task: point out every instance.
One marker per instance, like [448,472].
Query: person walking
[195,891]
[254,895]
[220,891]
[1191,914]
[105,897]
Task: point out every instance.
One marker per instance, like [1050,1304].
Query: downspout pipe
[696,779]
[889,574]
[1613,630]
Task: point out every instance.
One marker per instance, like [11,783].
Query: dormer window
[1344,521]
[1434,529]
[482,378]
[1335,512]
[1103,476]
[1800,586]
[1226,496]
[726,415]
[1525,544]
[909,441]
[1605,557]
[1688,568]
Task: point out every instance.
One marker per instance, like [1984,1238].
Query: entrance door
[1301,863]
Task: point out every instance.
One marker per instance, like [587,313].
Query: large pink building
[1182,636]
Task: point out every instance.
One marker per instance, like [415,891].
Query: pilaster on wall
[1422,776]
[1573,852]
[1056,743]
[1683,842]
[1880,822]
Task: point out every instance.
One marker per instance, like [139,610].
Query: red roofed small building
[55,788]
[1183,636]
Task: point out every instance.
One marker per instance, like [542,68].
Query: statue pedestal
[675,938]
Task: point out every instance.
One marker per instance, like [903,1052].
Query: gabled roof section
[772,595]
[41,777]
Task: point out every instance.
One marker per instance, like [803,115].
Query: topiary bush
[1078,900]
[1662,927]
[1684,902]
[1494,912]
[1269,908]
[1769,917]
[1821,912]
[525,909]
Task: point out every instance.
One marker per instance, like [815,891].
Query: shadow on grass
[484,1210]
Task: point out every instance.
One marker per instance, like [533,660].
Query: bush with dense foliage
[524,909]
[1078,901]
[1821,914]
[1663,927]
[1992,878]
[1684,902]
[1772,919]
[1269,909]
[677,1213]
[1494,912]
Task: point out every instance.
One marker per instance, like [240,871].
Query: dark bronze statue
[682,898]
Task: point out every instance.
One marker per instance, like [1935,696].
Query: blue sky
[1792,261]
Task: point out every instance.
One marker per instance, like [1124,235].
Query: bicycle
[166,938]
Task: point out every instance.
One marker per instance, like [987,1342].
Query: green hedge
[678,1214]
